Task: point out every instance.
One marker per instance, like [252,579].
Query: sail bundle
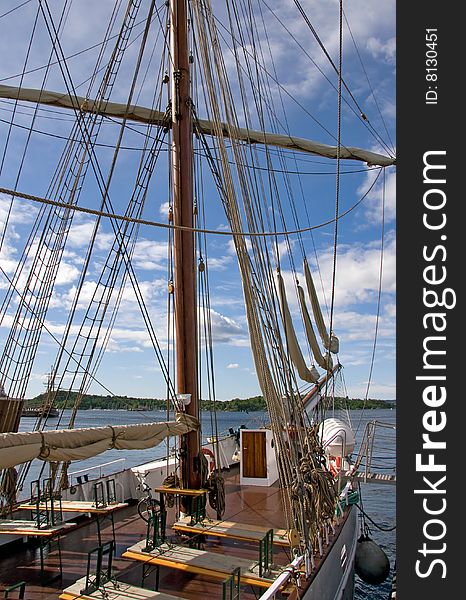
[329,342]
[311,336]
[310,375]
[79,444]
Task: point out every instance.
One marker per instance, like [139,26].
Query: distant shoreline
[254,404]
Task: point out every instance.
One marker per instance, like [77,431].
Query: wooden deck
[249,505]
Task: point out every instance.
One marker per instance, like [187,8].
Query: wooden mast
[184,252]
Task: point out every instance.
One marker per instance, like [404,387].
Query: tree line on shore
[256,403]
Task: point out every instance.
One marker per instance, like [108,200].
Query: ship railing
[365,453]
[86,472]
[291,572]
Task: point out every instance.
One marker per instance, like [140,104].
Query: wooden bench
[29,528]
[102,513]
[228,529]
[124,591]
[48,535]
[201,562]
[198,497]
[180,491]
[73,506]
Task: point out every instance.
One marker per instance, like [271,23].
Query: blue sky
[129,367]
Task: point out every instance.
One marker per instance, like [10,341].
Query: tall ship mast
[183,216]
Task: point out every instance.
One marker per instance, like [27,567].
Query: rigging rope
[337,190]
[379,300]
[161,225]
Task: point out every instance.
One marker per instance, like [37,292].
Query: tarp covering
[78,444]
[147,115]
[296,355]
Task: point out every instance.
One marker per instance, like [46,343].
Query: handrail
[367,445]
[97,467]
[282,579]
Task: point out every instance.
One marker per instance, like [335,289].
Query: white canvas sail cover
[306,374]
[78,444]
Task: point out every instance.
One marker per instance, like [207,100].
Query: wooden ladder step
[232,530]
[201,562]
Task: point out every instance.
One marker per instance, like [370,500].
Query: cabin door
[254,460]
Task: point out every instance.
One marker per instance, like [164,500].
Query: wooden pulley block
[293,537]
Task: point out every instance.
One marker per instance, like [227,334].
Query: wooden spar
[184,255]
[307,400]
[141,114]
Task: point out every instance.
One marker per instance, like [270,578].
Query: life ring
[335,465]
[210,454]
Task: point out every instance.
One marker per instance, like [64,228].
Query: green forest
[256,403]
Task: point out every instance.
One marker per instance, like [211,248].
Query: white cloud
[219,263]
[80,234]
[374,202]
[163,209]
[225,330]
[385,49]
[17,212]
[233,366]
[377,389]
[374,22]
[149,255]
[66,274]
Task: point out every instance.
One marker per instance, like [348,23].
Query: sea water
[378,500]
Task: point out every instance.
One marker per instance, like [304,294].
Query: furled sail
[311,336]
[331,343]
[78,444]
[154,117]
[306,374]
